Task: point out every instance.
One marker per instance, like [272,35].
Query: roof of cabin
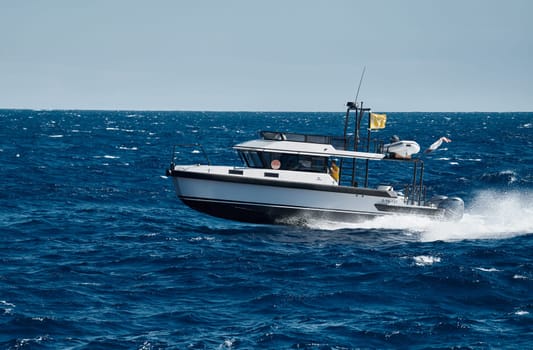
[304,148]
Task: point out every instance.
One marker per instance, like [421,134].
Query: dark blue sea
[96,251]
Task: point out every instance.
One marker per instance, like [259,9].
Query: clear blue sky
[275,55]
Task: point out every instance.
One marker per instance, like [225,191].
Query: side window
[314,164]
[282,161]
[319,164]
[252,159]
[273,160]
[298,162]
[256,159]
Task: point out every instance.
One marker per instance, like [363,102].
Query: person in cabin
[334,170]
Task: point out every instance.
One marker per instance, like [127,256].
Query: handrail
[188,145]
[415,192]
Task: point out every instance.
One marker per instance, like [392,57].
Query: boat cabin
[315,153]
[298,152]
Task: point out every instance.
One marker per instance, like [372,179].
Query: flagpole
[359,87]
[359,113]
[368,146]
[358,116]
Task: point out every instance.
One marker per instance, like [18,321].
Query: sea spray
[491,215]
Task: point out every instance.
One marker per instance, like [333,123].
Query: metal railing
[415,195]
[196,149]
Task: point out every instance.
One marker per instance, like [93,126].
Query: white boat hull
[271,199]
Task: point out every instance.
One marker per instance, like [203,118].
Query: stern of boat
[452,207]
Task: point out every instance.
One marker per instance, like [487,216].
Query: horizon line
[237,110]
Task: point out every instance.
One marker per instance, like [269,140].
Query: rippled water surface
[97,252]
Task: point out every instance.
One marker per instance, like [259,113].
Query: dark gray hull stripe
[263,213]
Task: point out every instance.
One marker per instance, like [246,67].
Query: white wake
[491,215]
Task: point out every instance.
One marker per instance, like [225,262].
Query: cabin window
[252,159]
[297,162]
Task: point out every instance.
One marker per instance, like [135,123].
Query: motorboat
[291,178]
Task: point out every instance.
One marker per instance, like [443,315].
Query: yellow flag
[377,121]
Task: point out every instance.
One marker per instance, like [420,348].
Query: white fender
[403,149]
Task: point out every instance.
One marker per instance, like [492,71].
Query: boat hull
[270,201]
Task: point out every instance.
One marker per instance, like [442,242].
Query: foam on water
[492,215]
[426,260]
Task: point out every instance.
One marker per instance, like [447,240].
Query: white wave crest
[521,313]
[426,260]
[107,156]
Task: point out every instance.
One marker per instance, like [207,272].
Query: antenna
[359,87]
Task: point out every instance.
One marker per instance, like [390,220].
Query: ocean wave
[107,156]
[426,260]
[505,176]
